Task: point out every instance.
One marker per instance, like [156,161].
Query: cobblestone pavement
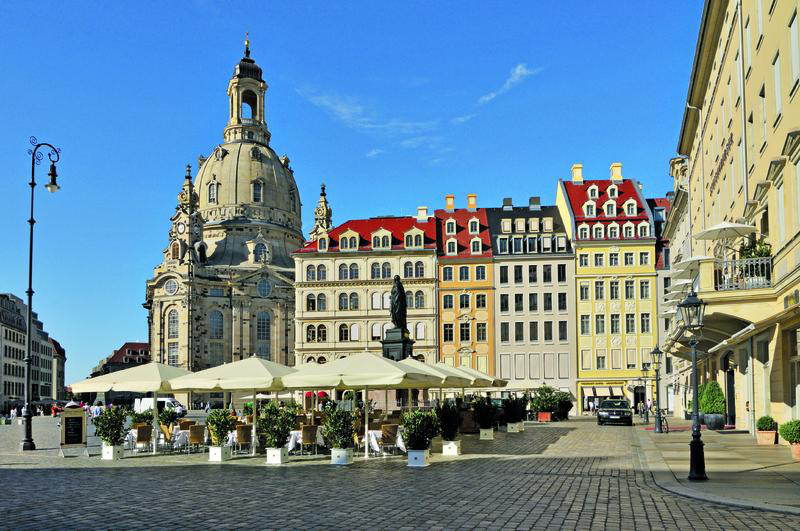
[572,475]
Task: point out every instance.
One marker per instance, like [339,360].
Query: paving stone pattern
[572,475]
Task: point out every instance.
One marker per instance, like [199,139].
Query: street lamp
[645,409]
[692,311]
[52,186]
[656,354]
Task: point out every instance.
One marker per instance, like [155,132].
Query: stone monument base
[397,345]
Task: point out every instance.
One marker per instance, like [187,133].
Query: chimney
[450,202]
[577,173]
[422,214]
[472,202]
[507,203]
[616,172]
[534,203]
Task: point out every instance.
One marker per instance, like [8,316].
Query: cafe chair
[184,424]
[244,436]
[388,437]
[197,437]
[308,437]
[144,436]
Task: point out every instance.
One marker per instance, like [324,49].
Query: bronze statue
[399,304]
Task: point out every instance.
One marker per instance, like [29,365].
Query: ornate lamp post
[52,186]
[656,354]
[645,409]
[692,311]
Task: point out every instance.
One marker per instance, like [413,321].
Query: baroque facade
[224,289]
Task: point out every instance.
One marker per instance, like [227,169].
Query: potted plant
[514,408]
[145,417]
[419,429]
[449,421]
[790,431]
[337,431]
[484,413]
[167,417]
[110,427]
[563,405]
[274,426]
[544,402]
[766,430]
[220,423]
[713,405]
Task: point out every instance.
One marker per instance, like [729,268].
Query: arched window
[322,272]
[386,270]
[311,302]
[418,240]
[257,192]
[420,331]
[376,241]
[322,244]
[215,324]
[447,302]
[343,301]
[419,269]
[409,299]
[311,273]
[260,252]
[387,300]
[450,227]
[598,232]
[342,271]
[583,233]
[343,243]
[249,105]
[628,231]
[408,270]
[474,227]
[419,300]
[311,334]
[263,328]
[322,333]
[344,333]
[376,301]
[176,251]
[353,271]
[322,302]
[463,300]
[375,271]
[613,232]
[172,324]
[644,230]
[409,240]
[212,192]
[451,247]
[353,243]
[385,241]
[376,331]
[354,301]
[354,332]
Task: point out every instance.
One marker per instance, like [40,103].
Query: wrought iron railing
[745,273]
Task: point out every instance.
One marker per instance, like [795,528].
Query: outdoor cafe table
[296,436]
[179,438]
[376,435]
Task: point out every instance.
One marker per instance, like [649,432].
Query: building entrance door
[730,389]
[638,396]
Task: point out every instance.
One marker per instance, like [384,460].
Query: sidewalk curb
[651,460]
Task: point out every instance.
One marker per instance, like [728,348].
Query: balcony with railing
[743,274]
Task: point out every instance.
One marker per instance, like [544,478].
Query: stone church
[224,289]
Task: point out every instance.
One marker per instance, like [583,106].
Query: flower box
[112,453]
[277,456]
[418,458]
[341,456]
[487,435]
[514,427]
[218,454]
[451,447]
[766,437]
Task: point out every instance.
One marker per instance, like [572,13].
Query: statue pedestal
[397,345]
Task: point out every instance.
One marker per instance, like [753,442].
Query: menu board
[73,428]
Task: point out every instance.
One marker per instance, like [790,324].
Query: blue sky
[392,105]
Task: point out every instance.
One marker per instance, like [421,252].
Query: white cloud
[352,114]
[420,141]
[458,120]
[517,75]
[374,153]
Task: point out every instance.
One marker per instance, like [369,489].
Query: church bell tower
[246,91]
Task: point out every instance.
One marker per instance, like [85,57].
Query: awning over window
[617,391]
[588,392]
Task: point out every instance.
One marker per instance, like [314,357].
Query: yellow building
[741,143]
[465,287]
[613,234]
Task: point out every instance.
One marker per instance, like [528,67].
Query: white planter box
[112,453]
[487,435]
[218,454]
[451,447]
[341,456]
[514,427]
[418,458]
[277,456]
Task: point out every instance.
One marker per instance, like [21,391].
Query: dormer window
[598,232]
[612,191]
[520,225]
[588,209]
[630,208]
[322,244]
[644,230]
[593,192]
[409,240]
[384,241]
[475,246]
[611,209]
[505,225]
[376,242]
[450,227]
[451,247]
[418,240]
[343,243]
[474,226]
[627,230]
[613,232]
[583,233]
[533,224]
[260,253]
[547,224]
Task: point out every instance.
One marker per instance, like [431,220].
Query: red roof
[397,226]
[121,352]
[578,195]
[462,217]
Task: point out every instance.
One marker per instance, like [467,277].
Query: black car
[611,411]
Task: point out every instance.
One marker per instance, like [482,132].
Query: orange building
[465,286]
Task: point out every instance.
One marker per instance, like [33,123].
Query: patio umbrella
[724,231]
[450,379]
[684,274]
[494,382]
[148,378]
[673,295]
[680,285]
[692,262]
[476,380]
[361,371]
[249,373]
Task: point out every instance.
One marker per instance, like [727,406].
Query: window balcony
[743,274]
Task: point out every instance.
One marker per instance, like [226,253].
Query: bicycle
[662,414]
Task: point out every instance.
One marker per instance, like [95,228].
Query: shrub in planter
[274,425]
[419,429]
[145,417]
[515,409]
[337,431]
[484,413]
[564,405]
[449,421]
[544,402]
[712,402]
[790,431]
[110,427]
[220,423]
[766,430]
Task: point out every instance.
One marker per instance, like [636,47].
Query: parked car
[614,411]
[143,404]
